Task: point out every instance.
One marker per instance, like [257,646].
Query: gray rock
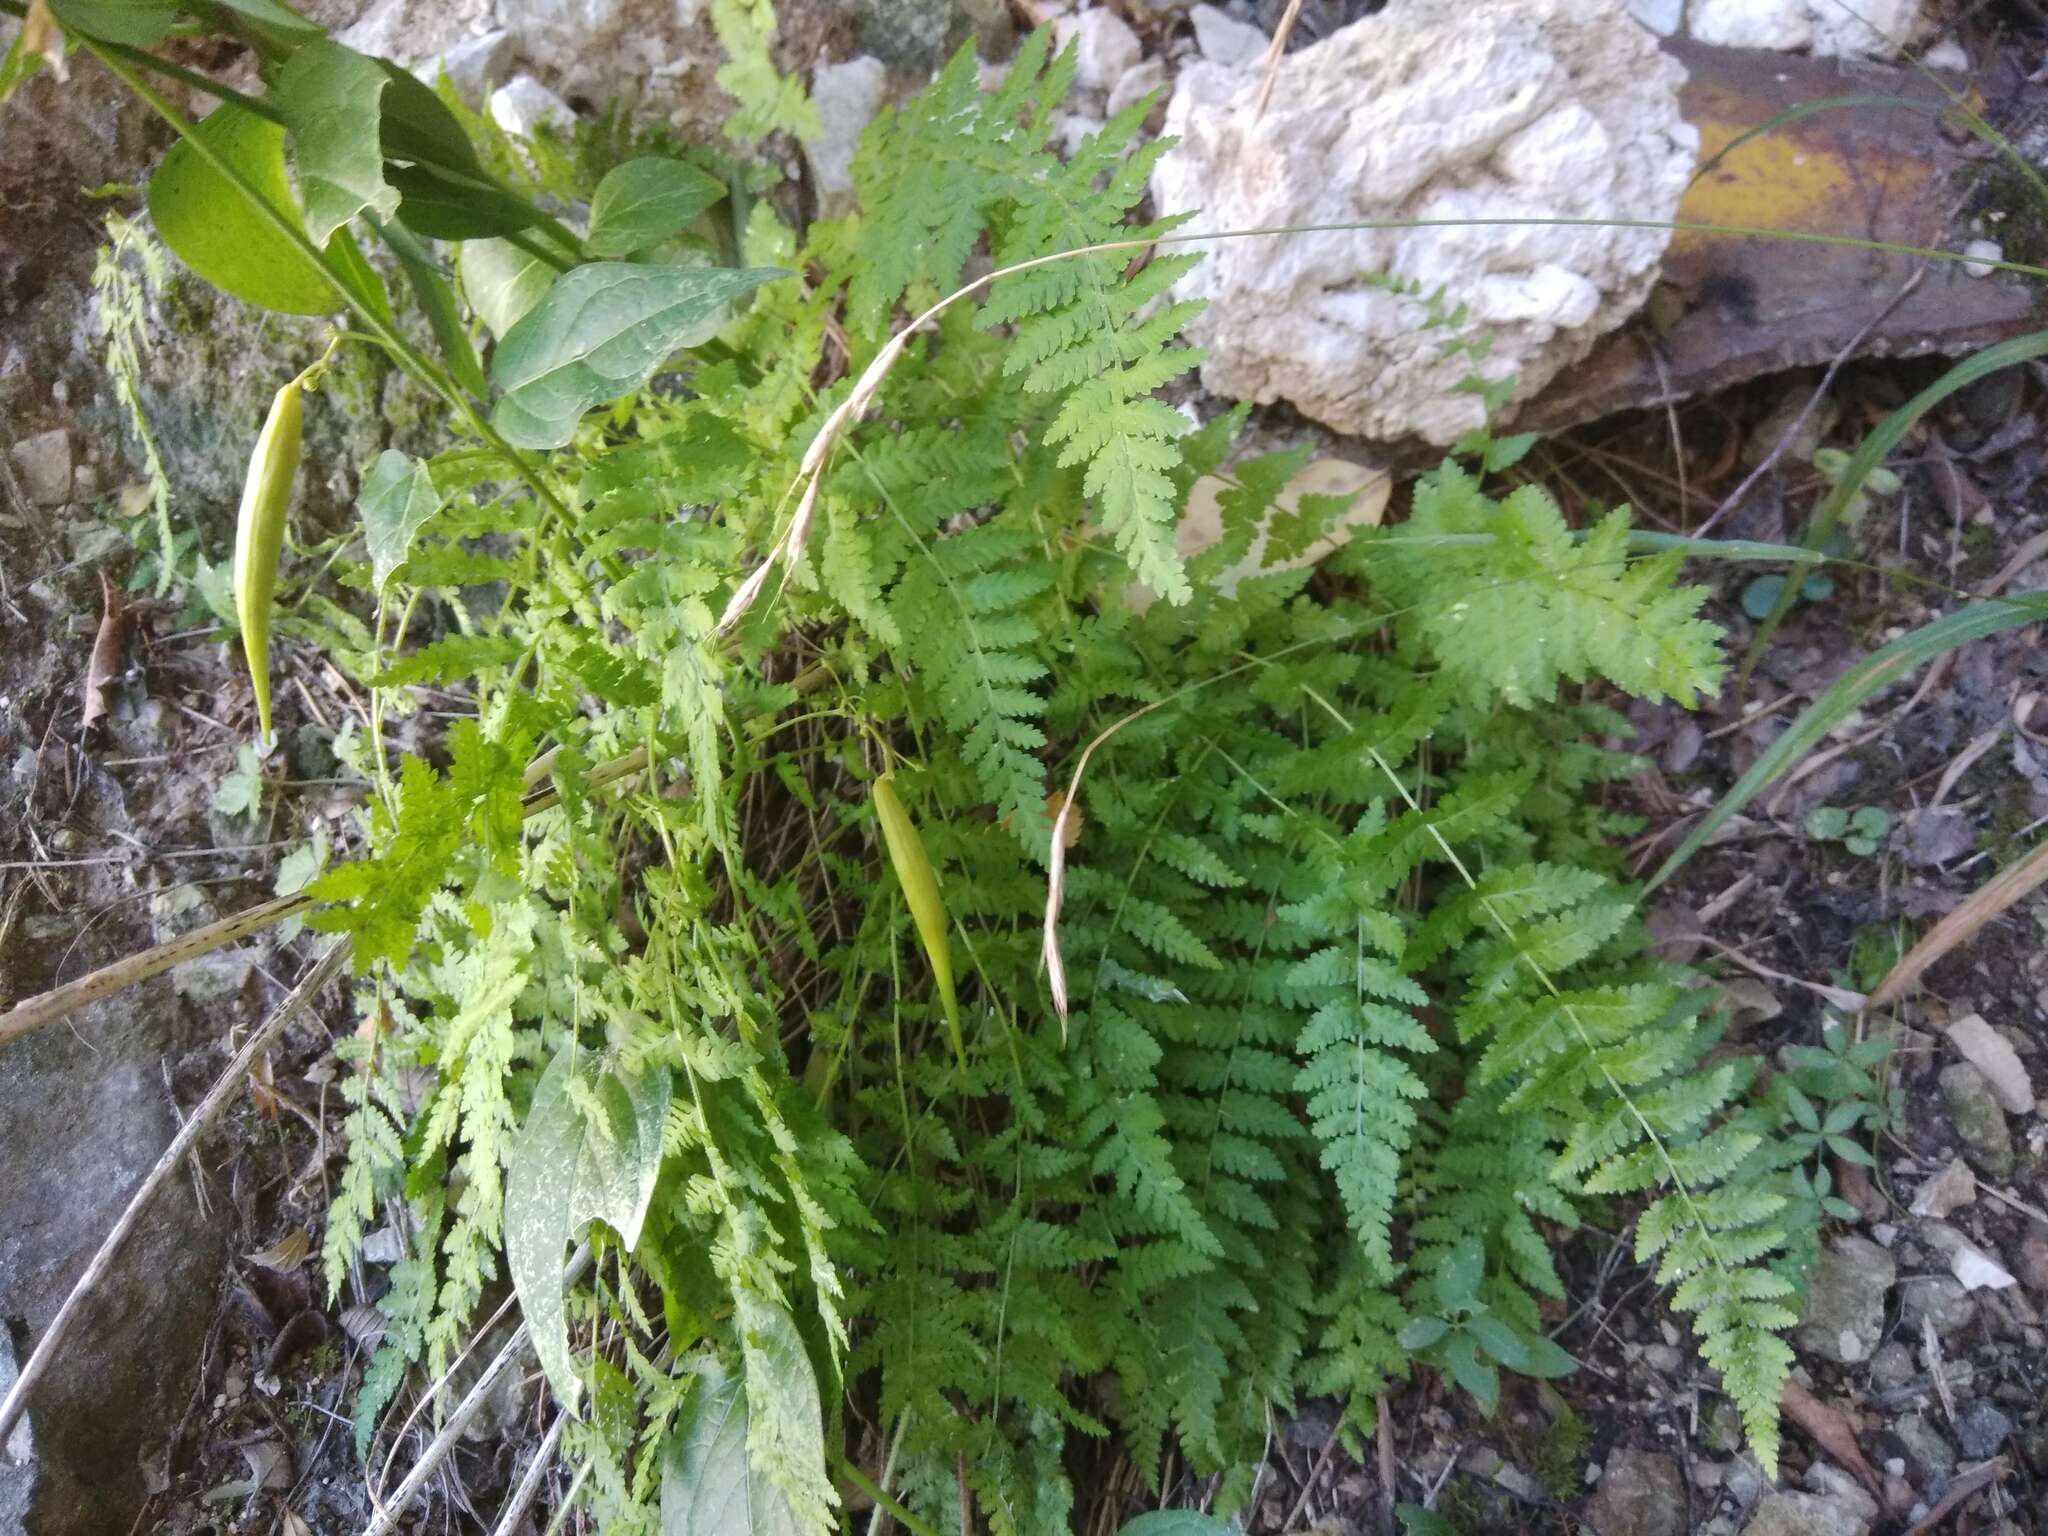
[522,104]
[1933,1457]
[1641,1493]
[406,31]
[1522,107]
[905,34]
[847,96]
[1138,82]
[1104,47]
[1940,1299]
[43,465]
[215,977]
[1978,1120]
[474,67]
[83,1116]
[1892,1365]
[1803,1514]
[1224,40]
[1841,1489]
[1844,1316]
[1981,1429]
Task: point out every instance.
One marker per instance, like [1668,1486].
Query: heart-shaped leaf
[396,500]
[331,99]
[600,333]
[708,1487]
[643,202]
[209,225]
[565,1173]
[502,282]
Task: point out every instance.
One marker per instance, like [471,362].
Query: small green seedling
[1829,1091]
[1833,464]
[1861,831]
[1466,1341]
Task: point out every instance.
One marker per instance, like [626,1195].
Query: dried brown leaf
[1830,1429]
[107,655]
[287,1253]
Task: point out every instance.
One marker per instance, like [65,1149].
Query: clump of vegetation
[818,730]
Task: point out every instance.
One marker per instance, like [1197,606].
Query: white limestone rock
[475,67]
[847,96]
[522,104]
[1868,29]
[1225,40]
[1537,108]
[1104,47]
[1138,82]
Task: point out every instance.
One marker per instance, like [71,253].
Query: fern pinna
[1360,1013]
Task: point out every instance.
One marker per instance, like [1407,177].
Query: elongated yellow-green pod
[921,889]
[259,534]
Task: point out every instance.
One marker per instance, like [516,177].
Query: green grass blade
[1883,438]
[1881,668]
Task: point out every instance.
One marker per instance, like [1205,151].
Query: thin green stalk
[421,367]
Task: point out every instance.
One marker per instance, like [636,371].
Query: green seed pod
[921,890]
[259,534]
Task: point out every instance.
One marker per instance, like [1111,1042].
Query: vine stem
[210,1108]
[415,361]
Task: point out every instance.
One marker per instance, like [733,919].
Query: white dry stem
[386,1518]
[529,1485]
[1056,869]
[217,1099]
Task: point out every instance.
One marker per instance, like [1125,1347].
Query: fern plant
[1360,1013]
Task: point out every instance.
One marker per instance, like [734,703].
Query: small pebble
[1981,1429]
[1982,253]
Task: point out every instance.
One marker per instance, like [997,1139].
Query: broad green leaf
[1180,1522]
[209,225]
[1546,1359]
[502,282]
[1458,1275]
[330,98]
[786,1429]
[708,1486]
[357,275]
[643,202]
[396,500]
[272,21]
[1473,1374]
[437,301]
[1880,669]
[566,1173]
[457,204]
[138,23]
[1499,1341]
[417,126]
[1422,1332]
[600,333]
